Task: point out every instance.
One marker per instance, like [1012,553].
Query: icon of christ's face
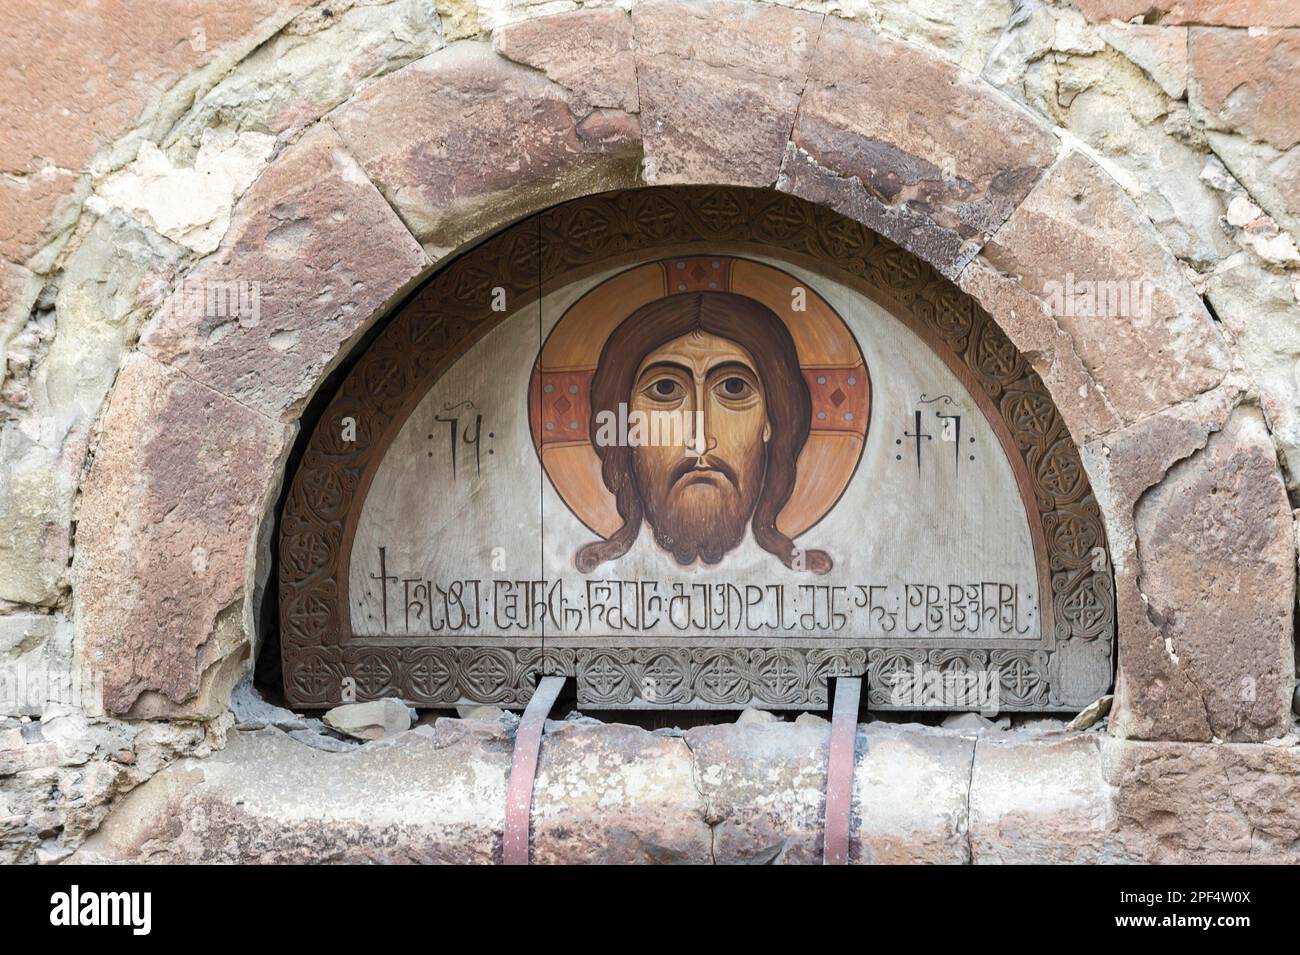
[699,498]
[726,364]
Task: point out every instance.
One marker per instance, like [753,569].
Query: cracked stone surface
[146,529]
[741,793]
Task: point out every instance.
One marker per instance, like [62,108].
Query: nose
[700,424]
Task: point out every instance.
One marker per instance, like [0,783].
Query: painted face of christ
[728,363]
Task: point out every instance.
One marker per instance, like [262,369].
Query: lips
[689,472]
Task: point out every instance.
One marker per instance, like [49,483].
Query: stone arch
[344,222]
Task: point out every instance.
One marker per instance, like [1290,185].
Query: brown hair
[757,329]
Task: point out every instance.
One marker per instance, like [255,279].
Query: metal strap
[523,770]
[839,771]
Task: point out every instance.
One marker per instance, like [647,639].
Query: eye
[665,389]
[735,387]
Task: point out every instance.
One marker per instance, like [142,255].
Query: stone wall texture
[334,153]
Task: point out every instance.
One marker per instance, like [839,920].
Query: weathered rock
[1177,802]
[310,67]
[964,30]
[751,715]
[292,287]
[1091,714]
[1217,559]
[373,720]
[36,665]
[107,287]
[73,770]
[1157,345]
[188,204]
[487,713]
[1122,467]
[169,512]
[1111,105]
[897,139]
[75,100]
[1161,51]
[889,824]
[764,789]
[1043,801]
[970,723]
[1228,13]
[1247,82]
[1270,176]
[459,18]
[616,794]
[720,83]
[430,796]
[431,137]
[1261,310]
[251,712]
[588,52]
[18,291]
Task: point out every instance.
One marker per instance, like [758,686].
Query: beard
[700,514]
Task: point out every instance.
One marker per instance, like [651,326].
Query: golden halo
[559,396]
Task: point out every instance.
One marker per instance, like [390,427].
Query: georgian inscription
[416,606]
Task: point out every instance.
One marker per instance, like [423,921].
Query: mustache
[687,465]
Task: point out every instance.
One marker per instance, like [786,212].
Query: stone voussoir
[432,136]
[893,136]
[587,51]
[720,83]
[1153,343]
[313,255]
[168,513]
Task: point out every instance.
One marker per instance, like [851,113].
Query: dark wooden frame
[1068,666]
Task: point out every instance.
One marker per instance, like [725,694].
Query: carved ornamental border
[1068,667]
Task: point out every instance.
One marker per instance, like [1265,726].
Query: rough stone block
[616,794]
[169,515]
[293,284]
[720,83]
[432,137]
[1187,803]
[429,796]
[1039,801]
[1246,82]
[76,99]
[1216,565]
[896,138]
[588,52]
[1153,343]
[1228,13]
[764,788]
[890,824]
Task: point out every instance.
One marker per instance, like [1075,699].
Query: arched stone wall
[174,510]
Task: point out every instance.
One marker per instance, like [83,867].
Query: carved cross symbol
[603,677]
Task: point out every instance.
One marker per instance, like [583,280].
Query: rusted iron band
[523,770]
[839,771]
